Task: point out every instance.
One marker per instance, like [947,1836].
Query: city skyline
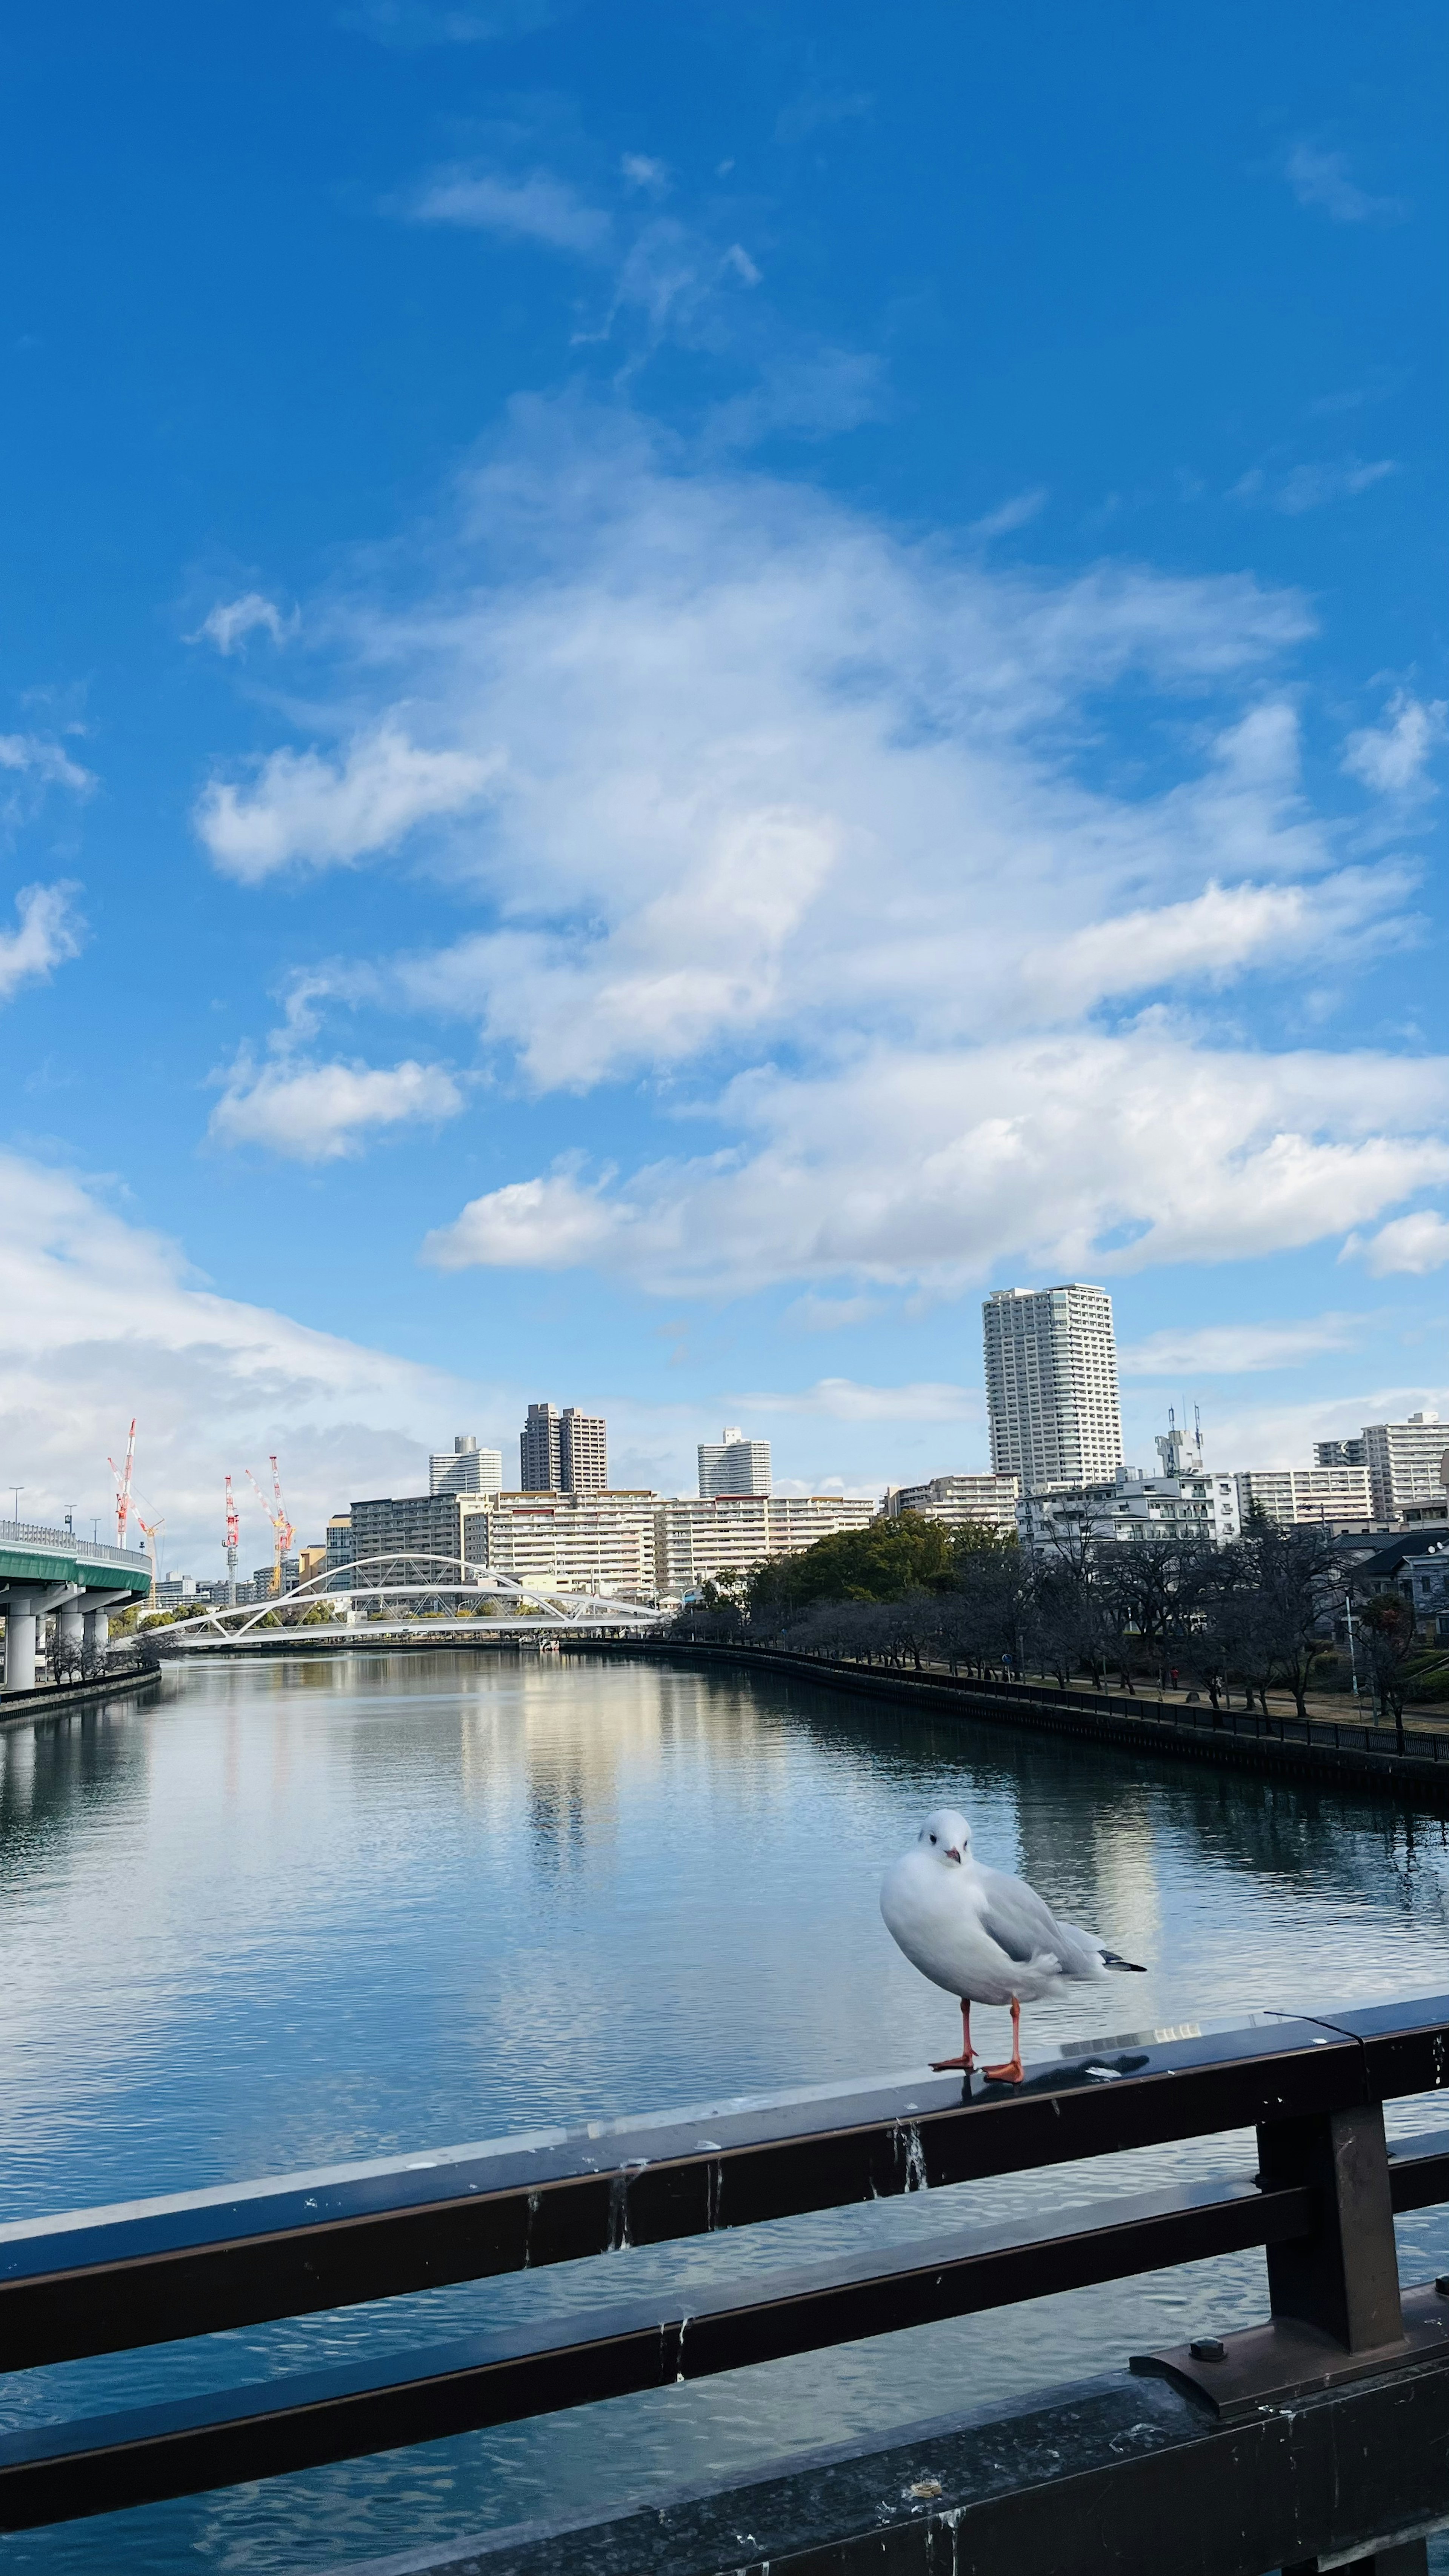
[681,702]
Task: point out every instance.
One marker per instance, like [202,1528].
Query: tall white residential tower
[733,1465]
[1051,1385]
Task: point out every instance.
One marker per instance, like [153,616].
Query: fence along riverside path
[1322,2433]
[1352,1752]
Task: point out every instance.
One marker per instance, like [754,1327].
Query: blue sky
[680,686]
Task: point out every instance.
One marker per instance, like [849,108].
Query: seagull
[983,1936]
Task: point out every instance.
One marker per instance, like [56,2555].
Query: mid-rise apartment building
[957,1500]
[730,1533]
[733,1465]
[465,1469]
[602,1544]
[1051,1385]
[1408,1462]
[1192,1507]
[406,1538]
[1338,1453]
[563,1452]
[1292,1494]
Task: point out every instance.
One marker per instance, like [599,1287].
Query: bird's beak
[953,1854]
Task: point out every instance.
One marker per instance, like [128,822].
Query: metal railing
[1249,2408]
[64,1542]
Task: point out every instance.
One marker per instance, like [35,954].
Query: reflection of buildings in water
[1091,1846]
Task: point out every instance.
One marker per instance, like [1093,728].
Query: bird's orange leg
[967,2058]
[1009,2074]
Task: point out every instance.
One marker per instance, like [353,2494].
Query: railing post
[1344,2278]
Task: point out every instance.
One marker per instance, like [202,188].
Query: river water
[293,1914]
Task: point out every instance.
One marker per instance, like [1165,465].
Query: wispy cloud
[842,1399]
[228,625]
[1237,1350]
[49,930]
[640,171]
[408,25]
[1412,1244]
[1015,513]
[1312,486]
[318,1113]
[1393,758]
[538,208]
[43,762]
[308,812]
[1320,180]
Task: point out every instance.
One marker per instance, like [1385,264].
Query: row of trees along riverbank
[1265,1613]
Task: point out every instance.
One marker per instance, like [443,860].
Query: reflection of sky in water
[291,1917]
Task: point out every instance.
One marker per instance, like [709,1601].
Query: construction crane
[123,1486]
[282,1531]
[151,1531]
[233,1540]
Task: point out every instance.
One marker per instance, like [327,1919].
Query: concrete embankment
[1350,1755]
[57,1699]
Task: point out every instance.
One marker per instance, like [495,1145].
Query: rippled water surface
[294,1914]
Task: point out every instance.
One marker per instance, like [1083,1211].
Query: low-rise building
[1192,1506]
[957,1500]
[730,1533]
[598,1543]
[1336,1495]
[1423,1580]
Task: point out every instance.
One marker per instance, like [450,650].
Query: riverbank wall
[57,1699]
[1237,1739]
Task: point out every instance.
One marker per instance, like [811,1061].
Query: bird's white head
[946,1836]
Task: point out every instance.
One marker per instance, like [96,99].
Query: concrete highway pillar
[20,1616]
[70,1625]
[97,1631]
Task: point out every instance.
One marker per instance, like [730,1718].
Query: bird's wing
[1021,1923]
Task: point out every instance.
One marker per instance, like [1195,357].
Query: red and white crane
[233,1538]
[282,1530]
[123,1485]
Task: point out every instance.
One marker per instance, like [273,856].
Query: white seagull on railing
[985,1937]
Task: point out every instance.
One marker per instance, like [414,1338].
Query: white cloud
[1417,1244]
[1082,1153]
[228,625]
[539,208]
[317,1113]
[1311,486]
[641,172]
[1236,1350]
[842,1399]
[409,24]
[1392,758]
[795,818]
[49,932]
[1015,513]
[307,810]
[45,762]
[1320,180]
[101,1319]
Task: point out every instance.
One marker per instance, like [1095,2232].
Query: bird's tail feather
[1130,1967]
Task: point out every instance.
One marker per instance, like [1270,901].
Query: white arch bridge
[466,1599]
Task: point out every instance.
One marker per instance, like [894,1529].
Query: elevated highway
[44,1570]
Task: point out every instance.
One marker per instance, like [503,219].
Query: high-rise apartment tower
[563,1453]
[733,1465]
[1051,1385]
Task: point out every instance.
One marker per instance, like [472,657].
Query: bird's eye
[933,1837]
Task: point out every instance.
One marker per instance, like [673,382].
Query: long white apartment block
[1289,1495]
[1407,1462]
[1191,1506]
[957,1500]
[1051,1384]
[596,1543]
[729,1533]
[733,1465]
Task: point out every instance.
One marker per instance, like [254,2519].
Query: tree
[1386,1632]
[1289,1576]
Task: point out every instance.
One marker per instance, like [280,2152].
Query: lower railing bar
[58,2473]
